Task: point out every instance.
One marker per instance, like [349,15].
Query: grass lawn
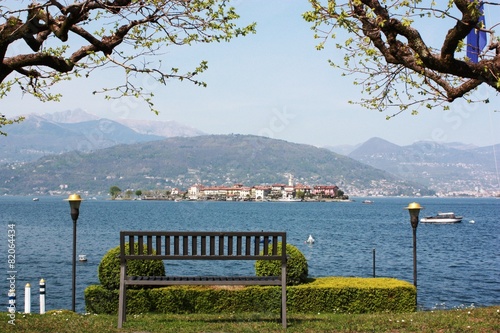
[474,320]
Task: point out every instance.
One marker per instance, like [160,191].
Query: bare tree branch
[75,39]
[388,38]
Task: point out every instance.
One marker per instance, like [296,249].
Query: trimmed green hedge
[101,300]
[330,295]
[354,295]
[108,271]
[296,266]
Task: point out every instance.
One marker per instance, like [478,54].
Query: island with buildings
[290,192]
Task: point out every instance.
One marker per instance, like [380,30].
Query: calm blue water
[458,264]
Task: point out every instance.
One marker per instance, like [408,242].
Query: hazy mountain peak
[70,116]
[167,129]
[378,145]
[150,127]
[379,141]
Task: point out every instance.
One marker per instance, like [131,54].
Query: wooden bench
[201,245]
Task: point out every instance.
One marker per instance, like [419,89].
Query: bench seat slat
[203,280]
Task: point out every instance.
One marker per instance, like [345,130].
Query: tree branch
[137,30]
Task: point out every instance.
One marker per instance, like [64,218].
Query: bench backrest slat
[158,244]
[167,246]
[212,245]
[203,246]
[238,245]
[150,244]
[247,247]
[199,245]
[140,244]
[221,245]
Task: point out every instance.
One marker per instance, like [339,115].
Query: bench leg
[122,299]
[283,306]
[283,295]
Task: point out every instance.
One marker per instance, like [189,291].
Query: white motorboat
[82,257]
[442,218]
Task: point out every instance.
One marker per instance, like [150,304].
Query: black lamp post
[414,209]
[74,203]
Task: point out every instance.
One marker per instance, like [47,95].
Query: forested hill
[182,162]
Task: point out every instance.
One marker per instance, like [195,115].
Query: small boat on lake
[367,202]
[82,257]
[442,218]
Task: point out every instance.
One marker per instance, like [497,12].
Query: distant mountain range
[443,168]
[49,134]
[209,160]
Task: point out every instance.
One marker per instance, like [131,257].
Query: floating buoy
[310,240]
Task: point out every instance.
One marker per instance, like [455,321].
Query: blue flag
[476,39]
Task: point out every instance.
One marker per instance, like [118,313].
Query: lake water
[458,264]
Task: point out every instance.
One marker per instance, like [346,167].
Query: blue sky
[274,83]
